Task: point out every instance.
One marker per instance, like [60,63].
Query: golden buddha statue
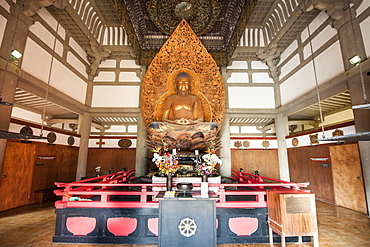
[183,108]
[182,125]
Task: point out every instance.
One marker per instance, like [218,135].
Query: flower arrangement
[207,163]
[166,162]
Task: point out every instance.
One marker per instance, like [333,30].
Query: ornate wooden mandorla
[183,52]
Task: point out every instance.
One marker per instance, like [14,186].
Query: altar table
[187,221]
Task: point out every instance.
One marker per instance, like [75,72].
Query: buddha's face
[183,85]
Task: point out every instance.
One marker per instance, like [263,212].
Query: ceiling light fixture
[355,59]
[16,54]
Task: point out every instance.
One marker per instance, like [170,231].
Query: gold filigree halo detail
[183,51]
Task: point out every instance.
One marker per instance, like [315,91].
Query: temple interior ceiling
[232,30]
[269,23]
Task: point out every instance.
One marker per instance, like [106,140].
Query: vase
[204,178]
[169,183]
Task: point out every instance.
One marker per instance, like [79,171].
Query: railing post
[143,194]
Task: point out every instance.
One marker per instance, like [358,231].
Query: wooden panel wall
[302,169]
[265,161]
[347,177]
[15,188]
[67,164]
[25,177]
[112,159]
[61,169]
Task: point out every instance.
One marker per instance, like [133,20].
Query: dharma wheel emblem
[187,227]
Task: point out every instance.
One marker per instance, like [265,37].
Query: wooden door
[320,173]
[347,177]
[298,168]
[17,173]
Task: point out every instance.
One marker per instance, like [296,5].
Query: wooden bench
[44,195]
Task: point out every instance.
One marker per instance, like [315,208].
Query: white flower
[157,157]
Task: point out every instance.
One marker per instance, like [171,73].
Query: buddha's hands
[184,121]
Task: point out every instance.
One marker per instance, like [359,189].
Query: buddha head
[183,83]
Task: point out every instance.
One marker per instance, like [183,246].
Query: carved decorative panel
[201,14]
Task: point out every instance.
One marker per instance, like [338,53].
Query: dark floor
[34,226]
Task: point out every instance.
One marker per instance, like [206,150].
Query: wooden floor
[34,226]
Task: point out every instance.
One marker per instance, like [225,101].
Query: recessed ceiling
[336,103]
[219,24]
[253,121]
[115,120]
[34,103]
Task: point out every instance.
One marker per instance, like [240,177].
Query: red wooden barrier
[98,192]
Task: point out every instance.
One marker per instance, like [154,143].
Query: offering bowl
[184,189]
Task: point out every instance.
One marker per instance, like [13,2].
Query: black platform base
[140,226]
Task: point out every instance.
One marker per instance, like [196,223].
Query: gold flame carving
[183,51]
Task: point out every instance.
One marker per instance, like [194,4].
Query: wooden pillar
[19,36]
[84,131]
[10,85]
[225,152]
[141,151]
[281,127]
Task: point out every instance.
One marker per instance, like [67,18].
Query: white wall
[116,96]
[298,84]
[67,82]
[328,64]
[366,35]
[251,97]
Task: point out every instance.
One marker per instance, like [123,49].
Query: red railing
[115,191]
[247,178]
[254,194]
